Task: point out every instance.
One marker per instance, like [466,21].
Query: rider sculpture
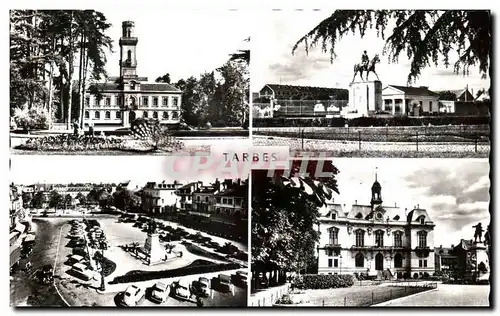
[366,66]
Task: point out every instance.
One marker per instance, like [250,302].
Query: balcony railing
[333,245]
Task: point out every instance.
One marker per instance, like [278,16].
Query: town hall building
[127,97]
[376,240]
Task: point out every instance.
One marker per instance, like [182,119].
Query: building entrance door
[379,262]
[131,116]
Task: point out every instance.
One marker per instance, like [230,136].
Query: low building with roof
[412,101]
[378,240]
[160,197]
[120,100]
[185,194]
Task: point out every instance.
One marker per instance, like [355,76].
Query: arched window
[118,114]
[165,115]
[359,216]
[422,220]
[360,260]
[155,115]
[128,33]
[87,114]
[97,115]
[360,238]
[379,238]
[398,239]
[129,54]
[107,115]
[398,261]
[422,239]
[145,114]
[175,115]
[132,101]
[155,101]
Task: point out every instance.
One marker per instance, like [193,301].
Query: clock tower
[128,44]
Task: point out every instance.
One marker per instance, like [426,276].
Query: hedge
[197,267]
[324,281]
[371,121]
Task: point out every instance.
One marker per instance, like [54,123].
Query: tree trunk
[51,86]
[80,73]
[70,72]
[84,82]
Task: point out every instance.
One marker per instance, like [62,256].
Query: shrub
[406,275]
[285,299]
[32,119]
[425,275]
[415,275]
[150,131]
[324,281]
[371,121]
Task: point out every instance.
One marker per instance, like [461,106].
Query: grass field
[472,133]
[359,296]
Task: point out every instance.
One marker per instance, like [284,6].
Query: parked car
[202,286]
[242,276]
[225,283]
[80,270]
[213,244]
[182,290]
[159,292]
[132,295]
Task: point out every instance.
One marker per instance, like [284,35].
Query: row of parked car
[180,289]
[79,262]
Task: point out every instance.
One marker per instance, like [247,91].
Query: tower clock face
[379,215]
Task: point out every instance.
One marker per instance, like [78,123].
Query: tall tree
[427,36]
[447,96]
[165,78]
[234,89]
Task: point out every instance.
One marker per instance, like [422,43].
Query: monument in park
[365,97]
[152,248]
[479,256]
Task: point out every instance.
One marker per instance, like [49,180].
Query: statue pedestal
[365,97]
[153,249]
[482,263]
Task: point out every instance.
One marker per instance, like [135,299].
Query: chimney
[355,202]
[452,246]
[418,206]
[440,246]
[395,205]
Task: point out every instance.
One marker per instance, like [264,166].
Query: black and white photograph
[127,81]
[373,83]
[99,236]
[372,232]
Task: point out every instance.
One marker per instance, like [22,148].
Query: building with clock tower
[124,98]
[375,240]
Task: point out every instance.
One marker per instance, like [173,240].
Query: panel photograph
[373,83]
[372,232]
[100,236]
[124,82]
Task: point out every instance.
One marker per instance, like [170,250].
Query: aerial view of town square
[128,243]
[86,82]
[372,232]
[374,83]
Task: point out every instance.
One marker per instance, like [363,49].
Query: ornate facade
[122,99]
[375,239]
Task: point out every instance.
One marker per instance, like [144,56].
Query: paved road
[22,285]
[447,295]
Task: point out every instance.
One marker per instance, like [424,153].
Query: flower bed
[292,300]
[70,142]
[197,267]
[324,281]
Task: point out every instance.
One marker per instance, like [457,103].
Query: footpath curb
[400,298]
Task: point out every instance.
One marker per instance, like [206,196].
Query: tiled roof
[422,91]
[239,191]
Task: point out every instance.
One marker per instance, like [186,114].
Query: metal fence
[417,139]
[381,294]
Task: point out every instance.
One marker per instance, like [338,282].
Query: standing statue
[487,236]
[478,232]
[367,66]
[152,226]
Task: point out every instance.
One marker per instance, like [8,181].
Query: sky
[273,62]
[455,192]
[168,42]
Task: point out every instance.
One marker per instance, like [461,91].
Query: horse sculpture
[370,68]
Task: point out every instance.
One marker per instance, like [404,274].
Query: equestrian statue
[366,65]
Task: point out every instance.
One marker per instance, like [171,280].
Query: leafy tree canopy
[427,36]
